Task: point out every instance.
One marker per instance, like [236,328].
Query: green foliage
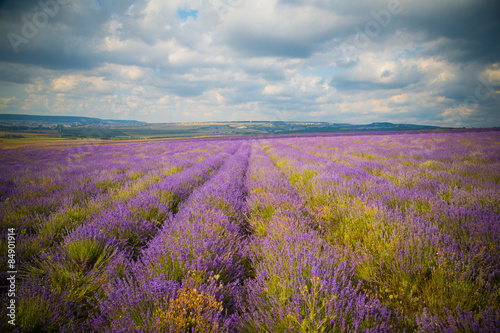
[82,271]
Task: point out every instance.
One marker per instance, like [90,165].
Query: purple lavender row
[371,188]
[58,181]
[141,169]
[49,230]
[302,284]
[419,258]
[419,150]
[135,220]
[438,162]
[376,174]
[188,277]
[420,192]
[45,169]
[78,270]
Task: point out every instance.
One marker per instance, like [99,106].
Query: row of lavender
[70,253]
[419,214]
[303,283]
[189,276]
[87,188]
[372,233]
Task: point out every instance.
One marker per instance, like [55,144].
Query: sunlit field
[367,233]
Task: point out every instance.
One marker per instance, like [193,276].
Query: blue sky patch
[183,14]
[407,52]
[411,52]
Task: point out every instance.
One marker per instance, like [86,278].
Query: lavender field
[368,233]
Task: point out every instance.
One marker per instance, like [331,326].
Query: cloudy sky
[428,61]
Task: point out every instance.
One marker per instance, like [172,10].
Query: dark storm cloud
[473,30]
[71,38]
[262,45]
[348,80]
[55,34]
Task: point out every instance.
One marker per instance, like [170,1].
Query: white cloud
[273,89]
[81,84]
[492,74]
[5,102]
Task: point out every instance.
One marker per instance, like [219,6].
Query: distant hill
[24,118]
[385,126]
[85,127]
[236,128]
